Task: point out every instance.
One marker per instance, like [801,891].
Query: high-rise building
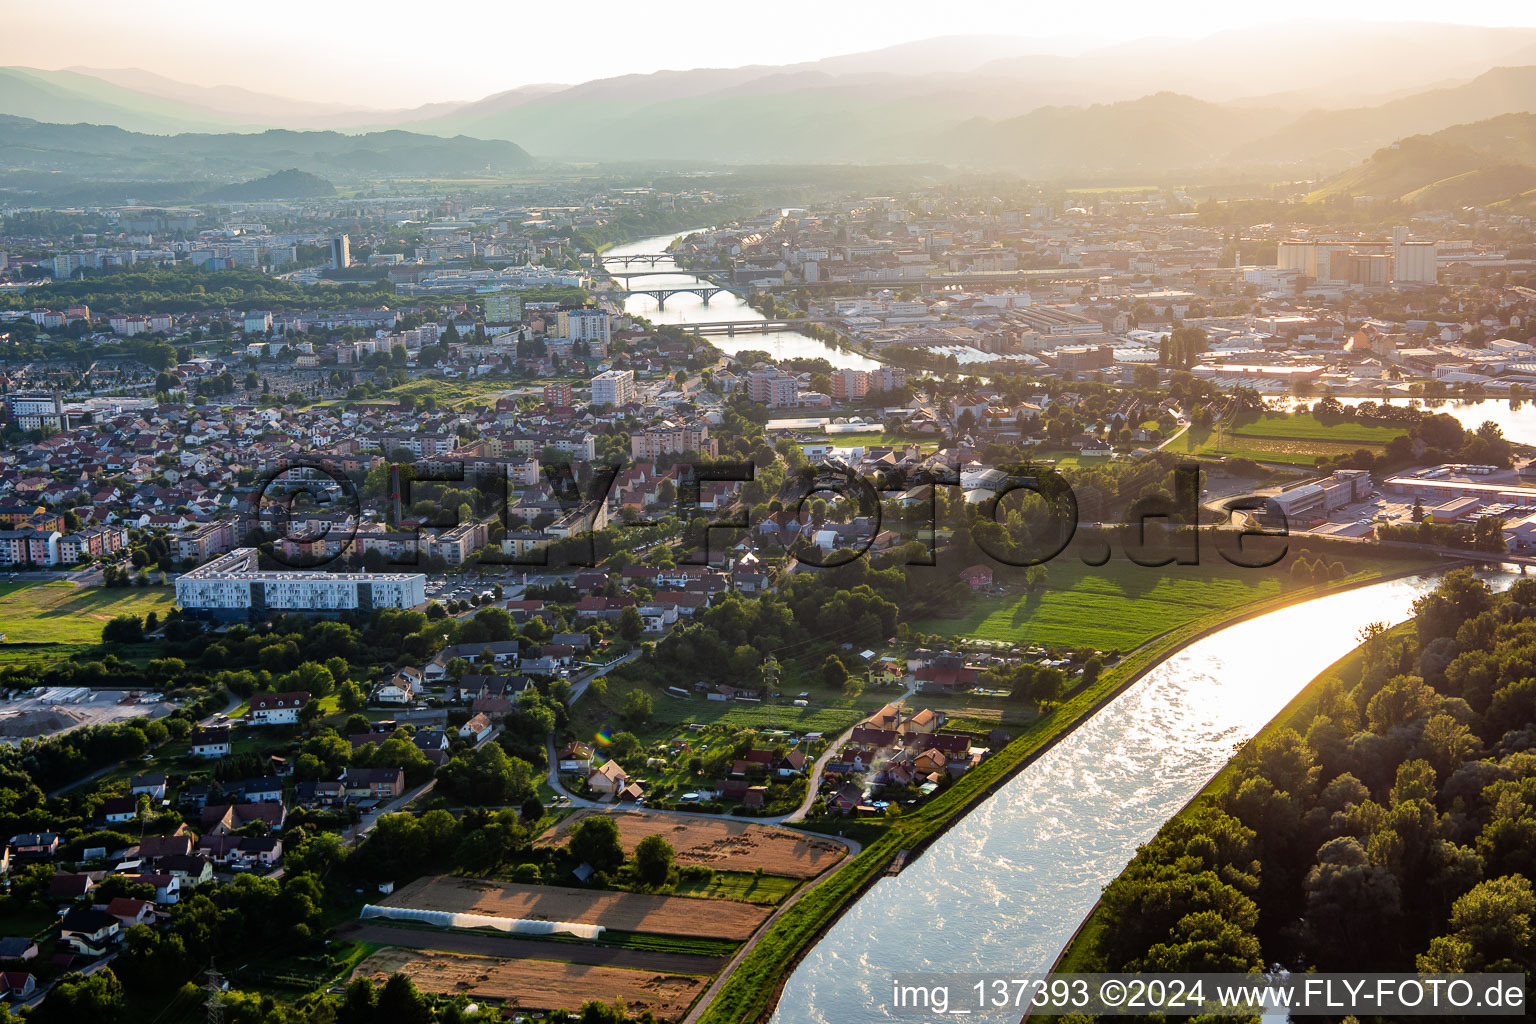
[848,384]
[582,324]
[773,387]
[557,395]
[614,387]
[503,308]
[341,252]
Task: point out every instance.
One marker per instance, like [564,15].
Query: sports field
[63,613]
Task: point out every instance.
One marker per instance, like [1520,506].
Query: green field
[1116,606]
[66,614]
[447,392]
[1277,437]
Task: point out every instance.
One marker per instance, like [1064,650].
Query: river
[686,309]
[1006,887]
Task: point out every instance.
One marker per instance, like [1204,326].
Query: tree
[637,706]
[833,672]
[631,626]
[1491,930]
[596,842]
[653,860]
[400,1002]
[123,629]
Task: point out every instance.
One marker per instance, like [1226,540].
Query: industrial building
[1443,484]
[235,588]
[1320,497]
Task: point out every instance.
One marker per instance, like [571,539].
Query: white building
[278,708]
[582,324]
[614,387]
[234,588]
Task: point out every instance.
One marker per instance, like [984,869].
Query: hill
[289,184]
[68,97]
[1165,131]
[1351,134]
[103,151]
[1475,164]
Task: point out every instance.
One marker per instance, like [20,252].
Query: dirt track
[534,949]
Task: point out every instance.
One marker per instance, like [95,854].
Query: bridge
[942,281]
[651,258]
[627,274]
[703,290]
[731,328]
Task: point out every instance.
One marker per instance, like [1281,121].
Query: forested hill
[167,168]
[1388,825]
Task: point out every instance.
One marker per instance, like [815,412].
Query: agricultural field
[724,845]
[68,614]
[1116,606]
[536,984]
[623,911]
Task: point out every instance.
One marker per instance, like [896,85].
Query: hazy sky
[405,52]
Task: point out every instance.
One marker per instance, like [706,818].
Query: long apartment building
[671,438]
[235,588]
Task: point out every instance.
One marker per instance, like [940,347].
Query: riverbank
[753,990]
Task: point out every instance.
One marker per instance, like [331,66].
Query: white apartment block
[615,387]
[582,324]
[233,588]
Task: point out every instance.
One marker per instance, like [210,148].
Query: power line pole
[215,989]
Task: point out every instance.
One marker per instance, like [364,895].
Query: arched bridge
[704,291]
[651,258]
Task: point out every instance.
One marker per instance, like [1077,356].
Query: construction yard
[56,710]
[720,844]
[536,985]
[620,911]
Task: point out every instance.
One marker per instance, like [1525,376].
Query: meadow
[1117,606]
[1277,437]
[67,614]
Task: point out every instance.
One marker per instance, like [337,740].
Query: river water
[1006,887]
[725,306]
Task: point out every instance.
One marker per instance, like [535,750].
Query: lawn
[448,392]
[1116,606]
[65,613]
[1277,437]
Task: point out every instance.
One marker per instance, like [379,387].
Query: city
[471,560]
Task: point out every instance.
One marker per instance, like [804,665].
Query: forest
[1387,822]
